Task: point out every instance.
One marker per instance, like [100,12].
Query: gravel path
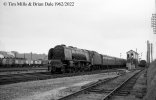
[48,89]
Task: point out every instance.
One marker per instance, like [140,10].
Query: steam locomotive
[64,58]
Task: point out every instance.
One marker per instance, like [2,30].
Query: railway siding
[7,71]
[48,89]
[24,77]
[101,90]
[138,91]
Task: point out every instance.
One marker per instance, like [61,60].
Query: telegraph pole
[153,20]
[151,52]
[31,55]
[153,25]
[155,6]
[148,53]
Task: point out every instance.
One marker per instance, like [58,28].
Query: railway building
[132,59]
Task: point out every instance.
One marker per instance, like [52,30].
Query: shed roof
[132,51]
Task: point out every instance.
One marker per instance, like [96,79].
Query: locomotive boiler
[67,59]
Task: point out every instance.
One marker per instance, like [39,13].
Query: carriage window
[131,55]
[127,55]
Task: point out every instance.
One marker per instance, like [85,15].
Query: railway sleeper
[100,90]
[123,92]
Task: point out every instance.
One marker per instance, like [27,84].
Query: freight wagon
[21,62]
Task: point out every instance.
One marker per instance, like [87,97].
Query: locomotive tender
[71,59]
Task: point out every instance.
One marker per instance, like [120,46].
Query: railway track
[124,88]
[11,71]
[105,89]
[24,77]
[16,78]
[21,68]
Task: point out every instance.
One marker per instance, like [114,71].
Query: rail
[107,97]
[87,88]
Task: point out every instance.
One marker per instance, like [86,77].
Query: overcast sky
[107,26]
